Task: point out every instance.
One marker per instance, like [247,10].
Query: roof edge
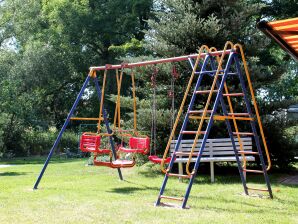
[270,32]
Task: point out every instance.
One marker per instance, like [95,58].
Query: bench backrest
[214,147]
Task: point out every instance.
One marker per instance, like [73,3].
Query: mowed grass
[71,192]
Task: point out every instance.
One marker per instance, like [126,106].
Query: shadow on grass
[37,160]
[126,190]
[129,190]
[13,173]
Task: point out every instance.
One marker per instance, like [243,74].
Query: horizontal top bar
[154,62]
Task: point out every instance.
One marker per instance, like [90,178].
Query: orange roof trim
[283,32]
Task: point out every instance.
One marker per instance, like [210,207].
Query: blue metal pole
[61,132]
[182,128]
[225,112]
[107,126]
[253,126]
[207,130]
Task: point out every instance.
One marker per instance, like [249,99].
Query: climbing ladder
[220,69]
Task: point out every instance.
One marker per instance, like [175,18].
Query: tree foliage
[181,26]
[46,48]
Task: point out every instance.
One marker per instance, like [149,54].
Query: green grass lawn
[71,192]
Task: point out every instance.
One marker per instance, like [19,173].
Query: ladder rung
[233,94]
[211,71]
[248,152]
[243,133]
[253,171]
[256,189]
[192,132]
[178,175]
[199,111]
[171,198]
[86,118]
[238,114]
[222,118]
[185,153]
[205,91]
[230,73]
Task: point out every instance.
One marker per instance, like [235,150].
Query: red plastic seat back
[89,142]
[139,143]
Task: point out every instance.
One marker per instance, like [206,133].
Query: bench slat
[208,142]
[212,148]
[216,153]
[208,145]
[215,159]
[244,139]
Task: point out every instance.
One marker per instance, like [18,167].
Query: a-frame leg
[209,125]
[253,127]
[98,90]
[61,132]
[164,183]
[225,112]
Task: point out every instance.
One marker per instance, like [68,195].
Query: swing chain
[153,77]
[153,112]
[175,76]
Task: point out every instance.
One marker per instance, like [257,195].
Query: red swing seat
[137,145]
[156,159]
[90,142]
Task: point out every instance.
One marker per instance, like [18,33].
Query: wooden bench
[216,150]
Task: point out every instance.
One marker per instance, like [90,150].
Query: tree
[183,25]
[52,44]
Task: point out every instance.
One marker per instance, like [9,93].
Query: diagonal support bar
[98,90]
[61,132]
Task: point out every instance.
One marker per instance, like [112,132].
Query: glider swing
[137,143]
[91,142]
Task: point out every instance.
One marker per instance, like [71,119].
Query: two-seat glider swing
[91,142]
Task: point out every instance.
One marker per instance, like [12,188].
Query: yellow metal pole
[206,107]
[134,102]
[116,108]
[232,111]
[102,99]
[201,50]
[117,115]
[239,46]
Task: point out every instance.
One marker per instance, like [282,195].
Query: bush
[281,143]
[40,142]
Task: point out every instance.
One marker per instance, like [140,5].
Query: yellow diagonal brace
[232,111]
[117,116]
[228,43]
[201,50]
[102,99]
[134,102]
[239,46]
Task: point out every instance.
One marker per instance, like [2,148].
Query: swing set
[220,66]
[91,142]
